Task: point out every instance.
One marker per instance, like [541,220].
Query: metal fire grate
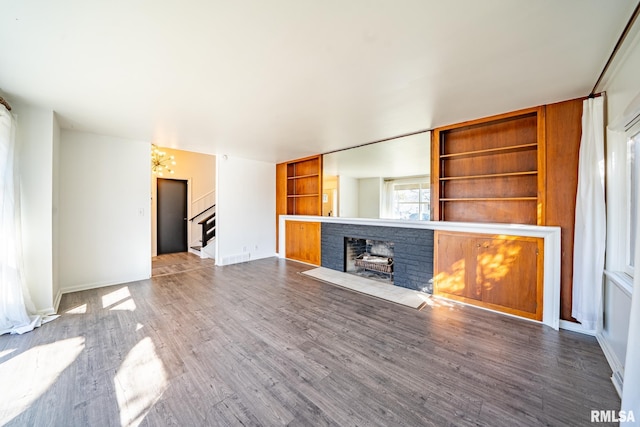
[381,264]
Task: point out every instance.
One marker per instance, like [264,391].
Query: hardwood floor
[258,344]
[178,263]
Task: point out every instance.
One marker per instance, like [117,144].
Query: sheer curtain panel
[590,219]
[14,298]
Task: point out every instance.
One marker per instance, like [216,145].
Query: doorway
[171,216]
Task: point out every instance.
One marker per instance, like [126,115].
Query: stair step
[196,248]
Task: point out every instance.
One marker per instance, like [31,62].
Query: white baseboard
[196,252]
[614,363]
[576,327]
[47,311]
[618,379]
[87,286]
[56,302]
[255,257]
[243,257]
[209,251]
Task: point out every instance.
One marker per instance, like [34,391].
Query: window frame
[632,137]
[424,184]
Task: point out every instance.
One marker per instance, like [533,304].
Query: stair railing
[197,215]
[208,228]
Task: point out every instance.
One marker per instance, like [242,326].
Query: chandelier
[160,162]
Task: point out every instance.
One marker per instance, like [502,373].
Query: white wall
[617,307]
[35,140]
[246,207]
[622,86]
[369,197]
[104,213]
[56,213]
[347,197]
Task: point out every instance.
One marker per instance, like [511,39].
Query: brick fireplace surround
[413,252]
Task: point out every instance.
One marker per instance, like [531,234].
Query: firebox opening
[368,258]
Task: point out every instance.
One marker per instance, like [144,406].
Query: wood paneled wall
[564,129]
[559,129]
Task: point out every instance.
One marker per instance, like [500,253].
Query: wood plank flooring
[259,344]
[178,263]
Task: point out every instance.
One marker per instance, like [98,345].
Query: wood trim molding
[542,166]
[484,120]
[5,103]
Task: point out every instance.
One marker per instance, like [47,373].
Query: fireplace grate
[375,263]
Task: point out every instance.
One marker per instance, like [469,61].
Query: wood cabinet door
[303,241]
[507,271]
[503,273]
[455,270]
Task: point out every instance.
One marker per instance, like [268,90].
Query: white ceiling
[280,79]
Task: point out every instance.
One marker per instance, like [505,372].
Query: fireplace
[369,258]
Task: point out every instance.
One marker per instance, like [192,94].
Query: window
[633,179]
[408,198]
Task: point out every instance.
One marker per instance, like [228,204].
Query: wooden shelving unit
[520,167]
[491,175]
[304,186]
[299,188]
[490,170]
[507,149]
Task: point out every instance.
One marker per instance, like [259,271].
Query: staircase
[208,225]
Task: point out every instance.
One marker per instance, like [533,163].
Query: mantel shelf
[509,149]
[490,175]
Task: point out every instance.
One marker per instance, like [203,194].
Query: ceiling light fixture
[160,161]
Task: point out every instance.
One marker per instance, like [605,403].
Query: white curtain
[14,298]
[590,219]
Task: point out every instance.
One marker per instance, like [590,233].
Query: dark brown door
[172,216]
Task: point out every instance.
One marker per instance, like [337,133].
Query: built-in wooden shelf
[490,170]
[491,175]
[485,199]
[299,188]
[313,175]
[507,149]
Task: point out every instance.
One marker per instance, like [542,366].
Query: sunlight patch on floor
[128,305]
[81,309]
[115,296]
[3,353]
[32,373]
[139,382]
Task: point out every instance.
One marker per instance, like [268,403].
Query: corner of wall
[35,136]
